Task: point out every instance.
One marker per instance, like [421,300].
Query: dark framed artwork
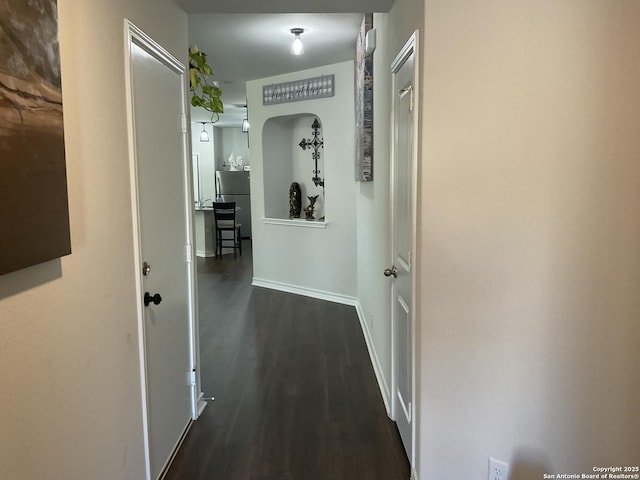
[34,212]
[364,104]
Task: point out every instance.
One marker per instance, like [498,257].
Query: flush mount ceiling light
[297,48]
[204,136]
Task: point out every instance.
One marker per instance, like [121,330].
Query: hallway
[295,393]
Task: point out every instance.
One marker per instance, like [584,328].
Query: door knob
[391,272]
[155,299]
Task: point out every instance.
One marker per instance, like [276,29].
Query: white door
[165,259]
[403,198]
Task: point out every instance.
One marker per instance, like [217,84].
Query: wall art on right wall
[364,104]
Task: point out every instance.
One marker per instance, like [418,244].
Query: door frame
[409,48]
[134,35]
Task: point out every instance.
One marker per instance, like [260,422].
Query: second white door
[158,109]
[403,202]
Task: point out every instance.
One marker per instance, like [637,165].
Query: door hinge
[192,376]
[408,90]
[188,253]
[183,123]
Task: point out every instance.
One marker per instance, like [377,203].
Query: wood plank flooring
[295,393]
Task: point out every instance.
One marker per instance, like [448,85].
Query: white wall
[205,150]
[214,154]
[277,166]
[69,376]
[318,260]
[232,141]
[530,235]
[285,162]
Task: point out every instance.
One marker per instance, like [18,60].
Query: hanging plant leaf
[204,94]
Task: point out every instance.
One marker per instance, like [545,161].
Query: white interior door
[165,257]
[403,198]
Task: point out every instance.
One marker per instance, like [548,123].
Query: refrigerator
[233,186]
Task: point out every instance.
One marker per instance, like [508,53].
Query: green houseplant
[205,93]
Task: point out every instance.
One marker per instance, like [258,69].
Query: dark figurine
[295,200]
[310,208]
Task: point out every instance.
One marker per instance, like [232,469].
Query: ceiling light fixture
[204,136]
[245,122]
[297,48]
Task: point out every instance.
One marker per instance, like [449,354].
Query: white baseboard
[375,361]
[205,253]
[307,292]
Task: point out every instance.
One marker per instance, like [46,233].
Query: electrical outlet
[498,470]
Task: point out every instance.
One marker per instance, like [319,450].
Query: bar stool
[224,220]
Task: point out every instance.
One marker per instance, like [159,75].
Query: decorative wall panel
[299,90]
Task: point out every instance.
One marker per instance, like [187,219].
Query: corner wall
[69,365]
[530,237]
[205,151]
[374,215]
[319,262]
[233,141]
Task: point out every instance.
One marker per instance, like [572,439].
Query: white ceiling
[249,39]
[285,6]
[243,47]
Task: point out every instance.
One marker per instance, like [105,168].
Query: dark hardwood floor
[295,393]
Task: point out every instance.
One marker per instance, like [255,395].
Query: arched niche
[285,162]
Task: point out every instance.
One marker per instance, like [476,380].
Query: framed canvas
[364,104]
[34,213]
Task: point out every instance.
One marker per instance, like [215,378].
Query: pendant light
[297,48]
[204,136]
[245,122]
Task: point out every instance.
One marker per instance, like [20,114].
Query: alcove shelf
[295,222]
[290,145]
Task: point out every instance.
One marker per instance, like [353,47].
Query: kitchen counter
[205,235]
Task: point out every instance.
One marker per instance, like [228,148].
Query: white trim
[414,239]
[206,253]
[133,35]
[129,33]
[307,292]
[294,222]
[375,361]
[405,52]
[404,265]
[409,48]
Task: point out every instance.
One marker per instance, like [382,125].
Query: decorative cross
[316,143]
